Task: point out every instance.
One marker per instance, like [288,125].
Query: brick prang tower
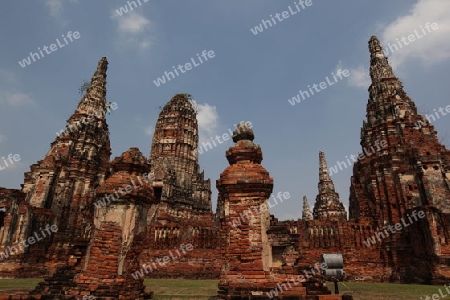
[411,173]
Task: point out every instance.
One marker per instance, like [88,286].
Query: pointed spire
[323,169]
[386,95]
[81,148]
[92,106]
[379,65]
[327,206]
[99,78]
[174,155]
[325,182]
[94,101]
[306,213]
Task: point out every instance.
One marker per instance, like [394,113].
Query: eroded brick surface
[253,266]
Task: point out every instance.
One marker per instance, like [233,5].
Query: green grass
[182,289]
[28,283]
[178,289]
[386,291]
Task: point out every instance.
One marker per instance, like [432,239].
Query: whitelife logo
[162,261]
[319,87]
[12,250]
[281,17]
[384,234]
[187,66]
[405,41]
[86,120]
[225,137]
[53,47]
[246,215]
[124,9]
[11,158]
[379,145]
[106,200]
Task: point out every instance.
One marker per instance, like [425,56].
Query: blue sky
[250,78]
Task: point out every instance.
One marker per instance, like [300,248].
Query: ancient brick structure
[411,174]
[403,172]
[60,188]
[118,238]
[174,159]
[250,270]
[16,219]
[184,215]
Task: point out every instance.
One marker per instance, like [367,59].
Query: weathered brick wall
[195,264]
[315,238]
[110,267]
[173,226]
[27,261]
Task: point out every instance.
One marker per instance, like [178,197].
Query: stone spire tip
[102,65]
[379,65]
[323,169]
[375,47]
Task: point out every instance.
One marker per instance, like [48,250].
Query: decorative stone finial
[244,149]
[243,132]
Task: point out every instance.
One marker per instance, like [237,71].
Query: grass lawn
[203,289]
[182,289]
[387,291]
[28,283]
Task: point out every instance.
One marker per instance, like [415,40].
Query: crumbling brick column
[120,228]
[121,207]
[244,188]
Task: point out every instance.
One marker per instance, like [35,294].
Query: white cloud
[145,44]
[207,118]
[133,23]
[56,9]
[133,29]
[15,99]
[359,77]
[9,94]
[430,48]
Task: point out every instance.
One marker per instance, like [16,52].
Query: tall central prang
[174,158]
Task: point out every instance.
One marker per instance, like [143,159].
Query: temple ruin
[117,220]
